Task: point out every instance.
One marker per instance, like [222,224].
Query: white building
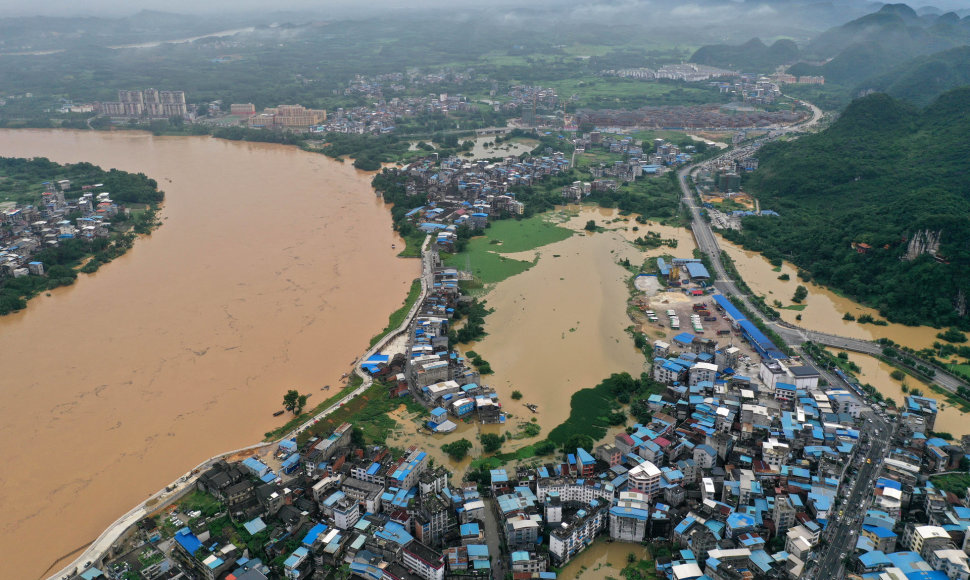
[701,372]
[427,563]
[645,479]
[628,517]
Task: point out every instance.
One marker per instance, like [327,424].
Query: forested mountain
[870,46]
[886,175]
[924,78]
[752,55]
[875,43]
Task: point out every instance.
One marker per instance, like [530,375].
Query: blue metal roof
[696,270]
[187,540]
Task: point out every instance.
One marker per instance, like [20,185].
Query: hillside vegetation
[880,175]
[752,55]
[893,50]
[924,78]
[874,44]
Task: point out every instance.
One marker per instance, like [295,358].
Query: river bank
[949,418]
[268,263]
[822,310]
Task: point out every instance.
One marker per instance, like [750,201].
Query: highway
[842,531]
[791,334]
[841,534]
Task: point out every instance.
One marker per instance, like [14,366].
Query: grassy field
[601,91]
[594,157]
[523,235]
[961,368]
[487,266]
[955,483]
[649,136]
[586,415]
[484,253]
[412,245]
[397,317]
[355,381]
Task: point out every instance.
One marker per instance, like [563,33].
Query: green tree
[801,293]
[490,442]
[294,401]
[357,438]
[576,441]
[590,226]
[457,450]
[544,447]
[952,335]
[290,399]
[516,395]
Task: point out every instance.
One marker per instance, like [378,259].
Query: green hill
[753,55]
[882,174]
[924,78]
[875,43]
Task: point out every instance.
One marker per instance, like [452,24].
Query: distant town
[28,229]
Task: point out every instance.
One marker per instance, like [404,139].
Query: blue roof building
[187,540]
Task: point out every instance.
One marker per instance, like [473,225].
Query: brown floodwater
[272,270]
[560,326]
[877,373]
[824,309]
[602,561]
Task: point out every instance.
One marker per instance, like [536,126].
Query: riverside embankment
[272,270]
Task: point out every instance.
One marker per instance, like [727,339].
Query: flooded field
[823,308]
[602,560]
[272,270]
[877,373]
[486,147]
[560,326]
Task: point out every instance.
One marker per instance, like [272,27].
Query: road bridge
[792,335]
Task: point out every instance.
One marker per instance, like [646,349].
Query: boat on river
[278,413]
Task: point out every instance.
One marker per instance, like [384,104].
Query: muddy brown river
[272,270]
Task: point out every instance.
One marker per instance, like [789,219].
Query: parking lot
[683,306]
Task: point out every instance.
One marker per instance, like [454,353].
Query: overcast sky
[121,8]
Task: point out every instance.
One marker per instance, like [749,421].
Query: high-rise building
[147,103]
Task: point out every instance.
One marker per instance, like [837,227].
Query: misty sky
[346,8]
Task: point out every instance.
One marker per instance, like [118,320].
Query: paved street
[791,334]
[841,534]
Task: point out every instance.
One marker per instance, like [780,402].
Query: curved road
[793,335]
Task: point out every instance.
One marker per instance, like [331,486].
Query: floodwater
[272,270]
[823,308]
[560,326]
[515,147]
[602,561]
[877,373]
[481,151]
